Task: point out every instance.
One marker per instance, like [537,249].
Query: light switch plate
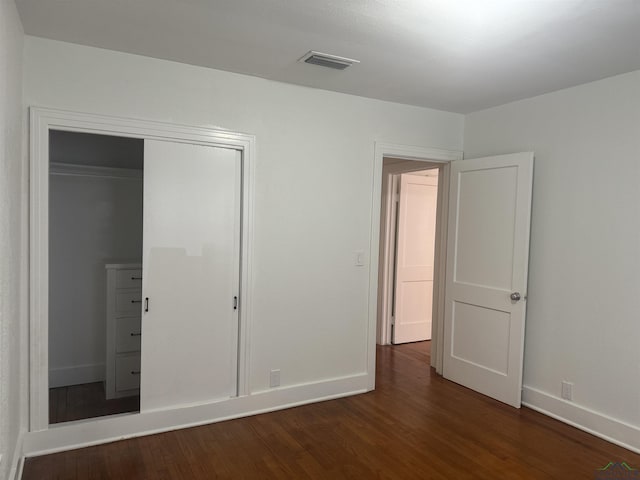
[359,259]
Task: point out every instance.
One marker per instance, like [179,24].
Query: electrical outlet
[567,390]
[274,378]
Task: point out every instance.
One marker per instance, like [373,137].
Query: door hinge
[235,303]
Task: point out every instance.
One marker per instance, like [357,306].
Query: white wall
[584,281]
[92,219]
[12,382]
[314,167]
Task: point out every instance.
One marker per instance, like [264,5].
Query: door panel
[415,258]
[485,228]
[487,260]
[478,336]
[190,274]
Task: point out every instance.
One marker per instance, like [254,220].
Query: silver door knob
[515,296]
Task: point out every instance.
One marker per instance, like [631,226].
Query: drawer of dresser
[127,372]
[129,302]
[127,334]
[129,278]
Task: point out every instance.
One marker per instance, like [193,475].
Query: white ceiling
[455,55]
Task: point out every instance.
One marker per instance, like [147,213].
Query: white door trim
[44,119]
[415,153]
[386,258]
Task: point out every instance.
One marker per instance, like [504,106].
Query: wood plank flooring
[88,400]
[415,425]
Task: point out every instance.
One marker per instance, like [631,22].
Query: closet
[95,218]
[144,274]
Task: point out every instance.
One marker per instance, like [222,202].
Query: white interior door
[416,235]
[190,274]
[486,287]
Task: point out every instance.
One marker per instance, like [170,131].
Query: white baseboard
[595,423]
[76,375]
[108,429]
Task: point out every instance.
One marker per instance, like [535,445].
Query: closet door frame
[41,121]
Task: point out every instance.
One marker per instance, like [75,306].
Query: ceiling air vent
[329,61]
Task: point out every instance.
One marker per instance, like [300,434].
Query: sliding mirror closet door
[191,270]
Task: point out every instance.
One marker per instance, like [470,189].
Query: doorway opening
[480,267]
[95,233]
[409,256]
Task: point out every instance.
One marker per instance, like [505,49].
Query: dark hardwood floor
[88,400]
[415,425]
